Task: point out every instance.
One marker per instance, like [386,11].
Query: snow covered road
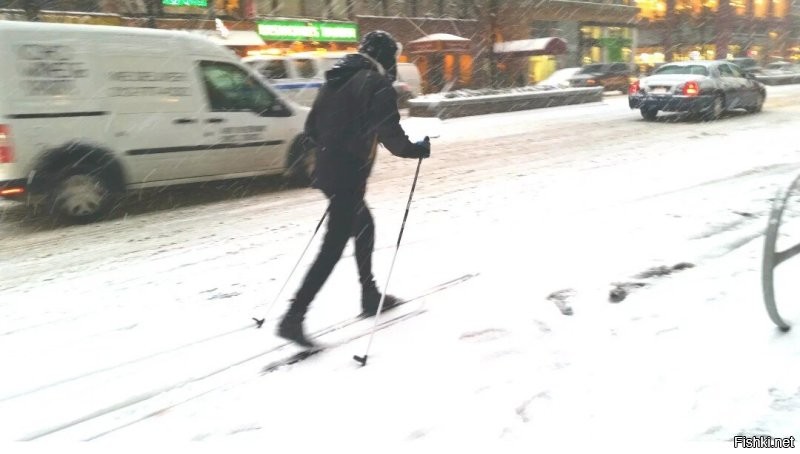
[138,327]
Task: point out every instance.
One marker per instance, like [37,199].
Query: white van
[88,112]
[408,84]
[298,76]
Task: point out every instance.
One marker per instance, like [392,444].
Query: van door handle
[215,120]
[183,121]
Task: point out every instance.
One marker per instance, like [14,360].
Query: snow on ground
[490,363]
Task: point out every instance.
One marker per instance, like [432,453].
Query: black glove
[424,148]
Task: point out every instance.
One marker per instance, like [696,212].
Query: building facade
[645,32]
[673,30]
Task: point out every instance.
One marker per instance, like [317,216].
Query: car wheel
[81,195]
[759,104]
[716,109]
[649,114]
[303,160]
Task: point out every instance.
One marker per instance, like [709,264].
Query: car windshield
[589,69]
[682,69]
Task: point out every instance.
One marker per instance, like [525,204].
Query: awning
[439,43]
[531,47]
[235,38]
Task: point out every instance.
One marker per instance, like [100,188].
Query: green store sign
[307,31]
[201,3]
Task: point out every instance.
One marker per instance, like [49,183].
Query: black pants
[348,217]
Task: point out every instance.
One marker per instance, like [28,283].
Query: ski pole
[260,321]
[363,359]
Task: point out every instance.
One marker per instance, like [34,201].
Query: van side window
[231,89]
[304,68]
[273,69]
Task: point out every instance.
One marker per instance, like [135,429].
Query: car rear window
[699,70]
[592,69]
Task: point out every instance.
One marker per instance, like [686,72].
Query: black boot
[291,328]
[371,298]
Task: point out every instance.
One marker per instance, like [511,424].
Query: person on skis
[355,109]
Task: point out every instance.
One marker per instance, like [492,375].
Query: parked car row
[610,76]
[779,73]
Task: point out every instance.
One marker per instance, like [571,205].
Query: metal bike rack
[773,258]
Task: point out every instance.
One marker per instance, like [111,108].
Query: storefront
[287,36]
[605,44]
[445,61]
[527,61]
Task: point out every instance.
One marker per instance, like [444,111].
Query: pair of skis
[390,321]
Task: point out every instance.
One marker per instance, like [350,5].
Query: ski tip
[361,359]
[259,322]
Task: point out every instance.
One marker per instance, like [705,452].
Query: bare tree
[350,8]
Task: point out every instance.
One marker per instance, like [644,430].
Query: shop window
[465,70]
[652,9]
[739,6]
[779,8]
[449,67]
[760,8]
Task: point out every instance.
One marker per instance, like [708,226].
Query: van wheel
[81,195]
[302,161]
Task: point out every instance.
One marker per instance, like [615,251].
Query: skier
[354,110]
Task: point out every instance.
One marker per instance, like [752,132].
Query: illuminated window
[739,6]
[780,8]
[760,8]
[652,9]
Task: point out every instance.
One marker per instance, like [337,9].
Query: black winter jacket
[355,109]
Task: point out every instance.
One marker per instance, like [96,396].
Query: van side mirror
[277,109]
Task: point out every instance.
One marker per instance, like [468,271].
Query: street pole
[492,40]
[151,14]
[32,9]
[212,10]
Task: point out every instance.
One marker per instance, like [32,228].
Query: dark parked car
[610,76]
[780,72]
[706,88]
[746,64]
